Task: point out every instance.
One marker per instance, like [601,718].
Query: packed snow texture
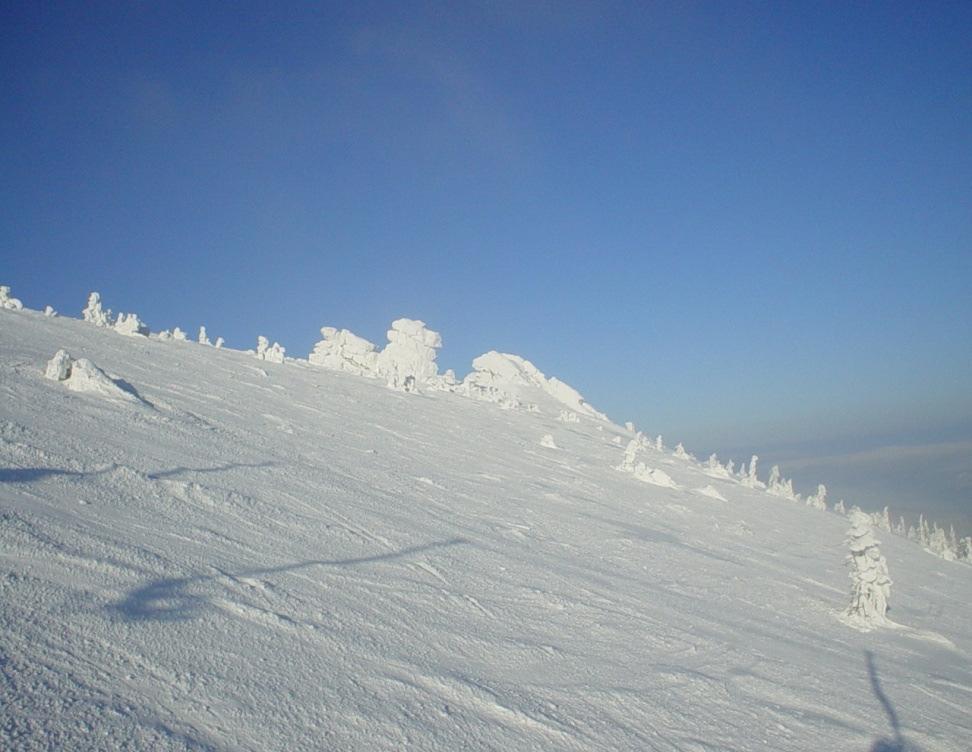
[256,558]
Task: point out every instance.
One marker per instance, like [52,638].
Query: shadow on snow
[170,599]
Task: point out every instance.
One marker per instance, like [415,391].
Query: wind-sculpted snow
[280,557]
[513,381]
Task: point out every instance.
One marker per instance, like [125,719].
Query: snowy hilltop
[213,549]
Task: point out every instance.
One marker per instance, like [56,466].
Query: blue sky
[747,226]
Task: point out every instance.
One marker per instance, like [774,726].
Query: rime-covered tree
[819,499]
[870,583]
[94,313]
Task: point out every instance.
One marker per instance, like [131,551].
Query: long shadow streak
[167,600]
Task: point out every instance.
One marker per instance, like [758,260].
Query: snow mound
[408,360]
[711,492]
[654,476]
[84,376]
[11,304]
[341,350]
[510,379]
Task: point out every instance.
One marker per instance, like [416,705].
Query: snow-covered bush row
[8,302]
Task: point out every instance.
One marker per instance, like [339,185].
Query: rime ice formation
[11,304]
[749,478]
[819,499]
[93,313]
[130,324]
[630,456]
[548,441]
[203,338]
[715,469]
[512,380]
[568,416]
[630,426]
[84,376]
[179,335]
[681,453]
[271,353]
[408,360]
[219,343]
[870,583]
[58,367]
[779,486]
[49,312]
[341,350]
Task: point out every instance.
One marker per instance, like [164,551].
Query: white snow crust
[287,558]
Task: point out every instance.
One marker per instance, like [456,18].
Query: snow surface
[255,557]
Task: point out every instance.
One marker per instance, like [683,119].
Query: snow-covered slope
[246,555]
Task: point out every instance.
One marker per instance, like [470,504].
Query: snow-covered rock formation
[870,583]
[11,304]
[512,380]
[408,360]
[341,350]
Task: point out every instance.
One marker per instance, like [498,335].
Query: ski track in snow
[278,557]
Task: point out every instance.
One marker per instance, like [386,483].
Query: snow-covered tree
[630,426]
[659,444]
[681,453]
[342,350]
[839,507]
[938,544]
[130,324]
[749,477]
[58,367]
[203,338]
[179,335]
[819,499]
[568,416]
[630,455]
[219,343]
[94,313]
[870,583]
[271,353]
[779,486]
[900,528]
[11,304]
[408,360]
[49,312]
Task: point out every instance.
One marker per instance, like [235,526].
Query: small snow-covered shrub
[49,312]
[779,486]
[11,304]
[94,313]
[548,441]
[568,416]
[714,468]
[870,583]
[203,338]
[749,478]
[179,336]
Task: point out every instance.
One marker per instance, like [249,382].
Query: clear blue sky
[742,225]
